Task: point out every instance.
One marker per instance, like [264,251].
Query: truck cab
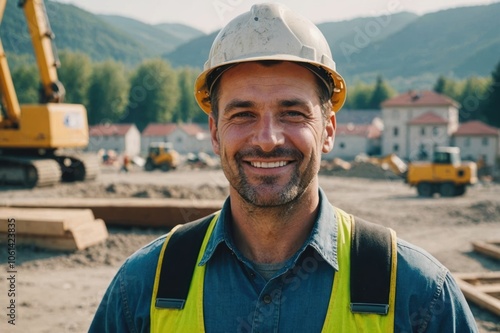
[446,174]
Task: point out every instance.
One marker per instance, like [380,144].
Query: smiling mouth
[269,165]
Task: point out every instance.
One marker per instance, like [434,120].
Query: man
[278,257]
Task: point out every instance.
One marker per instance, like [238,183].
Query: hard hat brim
[202,91]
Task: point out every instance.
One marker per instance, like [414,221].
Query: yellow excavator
[33,137]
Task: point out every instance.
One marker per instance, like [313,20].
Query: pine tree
[381,92]
[491,109]
[440,85]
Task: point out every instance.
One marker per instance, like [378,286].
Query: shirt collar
[323,237]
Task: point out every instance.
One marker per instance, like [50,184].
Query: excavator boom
[9,97]
[42,39]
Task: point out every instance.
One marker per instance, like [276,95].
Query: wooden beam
[491,249]
[141,212]
[78,238]
[489,288]
[480,276]
[479,292]
[44,221]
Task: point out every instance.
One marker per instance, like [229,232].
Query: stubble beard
[267,193]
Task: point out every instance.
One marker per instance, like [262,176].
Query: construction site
[68,219]
[62,276]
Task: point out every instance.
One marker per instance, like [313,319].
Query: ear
[330,127]
[213,134]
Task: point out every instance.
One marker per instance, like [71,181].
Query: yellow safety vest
[339,316]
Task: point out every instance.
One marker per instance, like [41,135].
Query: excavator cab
[32,136]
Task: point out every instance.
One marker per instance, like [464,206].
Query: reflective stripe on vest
[339,316]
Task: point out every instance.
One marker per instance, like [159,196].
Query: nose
[268,133]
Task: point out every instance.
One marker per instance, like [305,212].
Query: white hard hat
[270,32]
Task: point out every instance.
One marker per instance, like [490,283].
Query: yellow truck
[161,155]
[446,174]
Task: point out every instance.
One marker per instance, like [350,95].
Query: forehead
[265,78]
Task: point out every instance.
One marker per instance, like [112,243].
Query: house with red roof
[357,132]
[353,139]
[156,133]
[185,138]
[121,138]
[416,122]
[478,141]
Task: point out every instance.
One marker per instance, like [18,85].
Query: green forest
[154,91]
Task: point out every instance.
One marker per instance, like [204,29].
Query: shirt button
[267,299]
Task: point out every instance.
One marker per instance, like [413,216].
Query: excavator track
[77,167]
[32,172]
[28,172]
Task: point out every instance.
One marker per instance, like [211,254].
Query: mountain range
[403,47]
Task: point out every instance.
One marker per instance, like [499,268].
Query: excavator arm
[52,90]
[42,37]
[11,108]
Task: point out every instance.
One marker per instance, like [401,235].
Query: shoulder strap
[179,261]
[371,254]
[371,259]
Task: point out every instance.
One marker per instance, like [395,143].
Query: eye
[241,115]
[293,115]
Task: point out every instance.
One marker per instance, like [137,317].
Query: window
[395,131]
[435,130]
[467,142]
[442,157]
[342,145]
[484,141]
[422,131]
[395,148]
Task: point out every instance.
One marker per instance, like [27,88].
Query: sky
[211,15]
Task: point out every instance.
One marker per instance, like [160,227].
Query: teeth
[268,165]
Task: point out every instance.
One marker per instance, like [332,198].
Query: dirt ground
[59,291]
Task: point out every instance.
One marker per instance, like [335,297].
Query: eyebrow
[294,102]
[237,103]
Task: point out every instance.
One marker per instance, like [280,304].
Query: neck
[273,234]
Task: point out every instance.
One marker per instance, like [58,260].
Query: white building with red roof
[416,122]
[122,138]
[185,138]
[357,132]
[478,141]
[352,139]
[156,133]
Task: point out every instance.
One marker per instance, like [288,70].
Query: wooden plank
[81,237]
[44,221]
[488,288]
[476,295]
[142,212]
[89,234]
[479,276]
[491,249]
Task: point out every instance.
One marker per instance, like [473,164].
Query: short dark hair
[324,92]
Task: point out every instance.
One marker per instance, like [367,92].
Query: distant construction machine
[32,137]
[446,174]
[161,155]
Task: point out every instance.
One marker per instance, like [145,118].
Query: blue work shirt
[238,299]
